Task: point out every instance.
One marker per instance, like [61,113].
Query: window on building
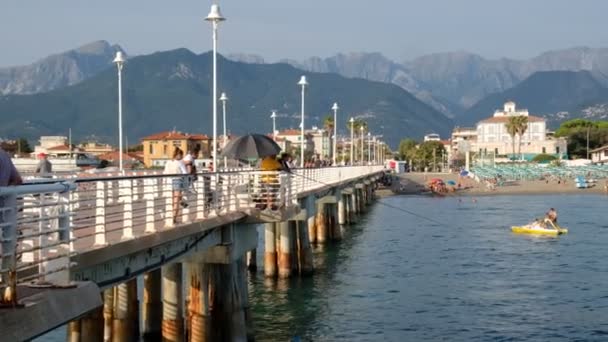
[165,149]
[544,150]
[557,149]
[177,143]
[496,150]
[151,149]
[605,153]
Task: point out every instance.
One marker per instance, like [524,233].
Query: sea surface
[447,269]
[461,277]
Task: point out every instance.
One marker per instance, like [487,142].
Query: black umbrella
[251,146]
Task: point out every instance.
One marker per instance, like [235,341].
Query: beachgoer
[190,162]
[551,217]
[176,166]
[44,167]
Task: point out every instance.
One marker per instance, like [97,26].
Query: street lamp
[369,147]
[362,148]
[215,16]
[334,141]
[274,124]
[352,139]
[302,83]
[375,151]
[120,61]
[224,98]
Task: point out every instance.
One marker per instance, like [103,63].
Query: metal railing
[44,224]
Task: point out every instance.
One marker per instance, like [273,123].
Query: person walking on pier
[176,166]
[44,168]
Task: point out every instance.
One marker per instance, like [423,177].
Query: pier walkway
[66,240]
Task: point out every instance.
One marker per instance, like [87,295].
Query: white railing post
[167,193]
[186,197]
[100,213]
[8,228]
[126,195]
[201,204]
[149,193]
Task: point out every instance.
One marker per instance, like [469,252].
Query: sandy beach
[415,183]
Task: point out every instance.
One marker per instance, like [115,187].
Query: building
[432,137]
[293,136]
[493,138]
[599,155]
[95,148]
[158,148]
[130,160]
[320,142]
[51,142]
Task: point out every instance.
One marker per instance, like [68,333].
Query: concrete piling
[354,207]
[198,305]
[92,326]
[285,250]
[270,250]
[252,263]
[125,316]
[341,209]
[336,233]
[73,334]
[226,303]
[108,313]
[321,224]
[304,248]
[172,327]
[311,217]
[152,308]
[245,301]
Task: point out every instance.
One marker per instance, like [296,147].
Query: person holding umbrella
[261,147]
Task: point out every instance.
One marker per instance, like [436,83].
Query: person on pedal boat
[551,217]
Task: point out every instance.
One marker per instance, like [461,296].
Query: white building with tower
[493,138]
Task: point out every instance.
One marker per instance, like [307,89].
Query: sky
[298,29]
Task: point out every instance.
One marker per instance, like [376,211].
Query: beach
[415,183]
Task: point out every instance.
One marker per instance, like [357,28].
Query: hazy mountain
[171,89]
[246,58]
[375,67]
[557,95]
[57,71]
[464,78]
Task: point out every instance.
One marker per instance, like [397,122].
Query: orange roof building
[159,147]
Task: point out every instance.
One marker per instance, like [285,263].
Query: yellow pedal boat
[538,230]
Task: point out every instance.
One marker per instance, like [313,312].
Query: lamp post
[352,140]
[369,147]
[274,124]
[362,147]
[215,16]
[375,159]
[334,141]
[224,98]
[302,83]
[120,61]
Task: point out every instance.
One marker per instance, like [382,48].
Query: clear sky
[275,29]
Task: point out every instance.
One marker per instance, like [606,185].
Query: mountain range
[556,95]
[461,85]
[171,89]
[59,70]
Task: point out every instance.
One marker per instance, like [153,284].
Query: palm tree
[512,126]
[522,126]
[328,124]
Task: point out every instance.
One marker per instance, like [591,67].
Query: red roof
[59,148]
[290,132]
[173,135]
[115,156]
[505,119]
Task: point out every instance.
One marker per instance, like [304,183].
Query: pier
[72,249]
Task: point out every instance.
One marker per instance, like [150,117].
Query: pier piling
[92,326]
[285,250]
[108,313]
[172,327]
[125,316]
[321,224]
[270,250]
[152,308]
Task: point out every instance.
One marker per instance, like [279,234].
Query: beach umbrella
[251,146]
[464,173]
[451,182]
